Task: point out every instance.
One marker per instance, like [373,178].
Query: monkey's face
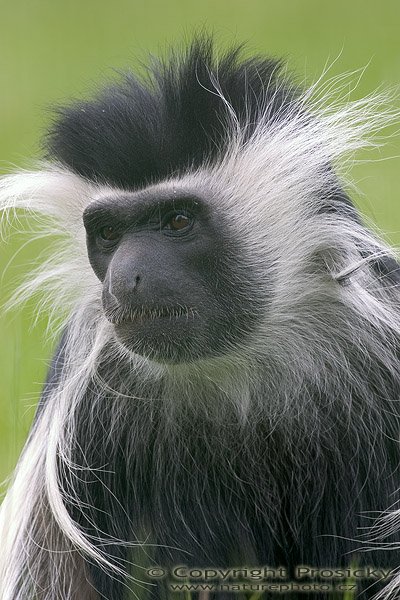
[169,274]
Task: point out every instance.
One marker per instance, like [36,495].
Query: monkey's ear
[388,270]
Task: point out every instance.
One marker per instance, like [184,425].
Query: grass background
[51,50]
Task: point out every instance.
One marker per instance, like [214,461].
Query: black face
[172,286]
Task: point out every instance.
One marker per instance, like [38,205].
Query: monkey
[225,389]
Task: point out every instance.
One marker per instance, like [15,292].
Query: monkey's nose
[122,286]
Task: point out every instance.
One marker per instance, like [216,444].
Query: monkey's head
[214,178]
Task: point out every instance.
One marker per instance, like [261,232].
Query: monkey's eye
[109,233]
[178,221]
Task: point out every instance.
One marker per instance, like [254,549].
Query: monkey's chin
[163,339]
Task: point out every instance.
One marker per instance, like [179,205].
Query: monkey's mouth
[121,315]
[166,333]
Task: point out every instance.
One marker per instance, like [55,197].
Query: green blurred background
[51,50]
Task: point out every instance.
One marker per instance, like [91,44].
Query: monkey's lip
[122,316]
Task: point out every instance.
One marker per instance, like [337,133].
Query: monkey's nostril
[137,279]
